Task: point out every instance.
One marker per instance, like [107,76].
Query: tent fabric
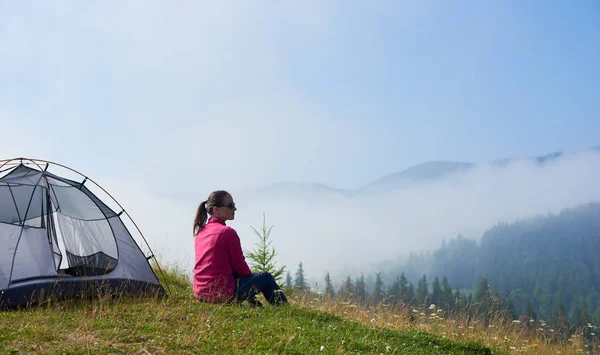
[60,239]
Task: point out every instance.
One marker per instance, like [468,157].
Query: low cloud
[339,233]
[342,234]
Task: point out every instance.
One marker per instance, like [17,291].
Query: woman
[221,273]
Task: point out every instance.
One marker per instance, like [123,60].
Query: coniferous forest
[548,264]
[545,268]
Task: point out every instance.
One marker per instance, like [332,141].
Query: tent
[59,240]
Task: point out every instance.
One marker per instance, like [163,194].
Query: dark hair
[215,199]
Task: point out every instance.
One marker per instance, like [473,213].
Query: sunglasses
[230,205]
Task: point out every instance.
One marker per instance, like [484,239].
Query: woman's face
[227,211]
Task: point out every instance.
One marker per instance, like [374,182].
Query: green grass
[180,324]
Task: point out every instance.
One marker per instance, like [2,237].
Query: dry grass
[181,324]
[498,333]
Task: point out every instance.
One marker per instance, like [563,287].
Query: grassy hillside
[179,324]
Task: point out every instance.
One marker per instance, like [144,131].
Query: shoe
[279,298]
[254,303]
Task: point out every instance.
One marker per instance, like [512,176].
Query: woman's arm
[238,261]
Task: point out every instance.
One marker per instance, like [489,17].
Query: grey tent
[59,240]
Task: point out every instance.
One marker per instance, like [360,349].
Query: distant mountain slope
[425,172]
[418,173]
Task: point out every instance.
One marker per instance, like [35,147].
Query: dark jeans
[246,287]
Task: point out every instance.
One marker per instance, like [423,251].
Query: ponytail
[201,217]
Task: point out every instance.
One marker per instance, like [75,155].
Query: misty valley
[544,268]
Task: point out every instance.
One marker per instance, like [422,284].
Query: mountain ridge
[423,172]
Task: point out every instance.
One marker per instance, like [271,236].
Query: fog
[349,233]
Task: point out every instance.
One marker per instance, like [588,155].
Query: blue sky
[464,81]
[162,99]
[375,88]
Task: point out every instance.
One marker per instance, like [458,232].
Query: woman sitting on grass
[221,273]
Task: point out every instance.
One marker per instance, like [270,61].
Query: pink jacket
[219,257]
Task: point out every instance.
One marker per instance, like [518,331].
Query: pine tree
[482,291]
[394,292]
[422,291]
[347,289]
[328,286]
[378,290]
[410,294]
[436,293]
[403,284]
[263,256]
[360,289]
[447,300]
[300,281]
[288,280]
[482,296]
